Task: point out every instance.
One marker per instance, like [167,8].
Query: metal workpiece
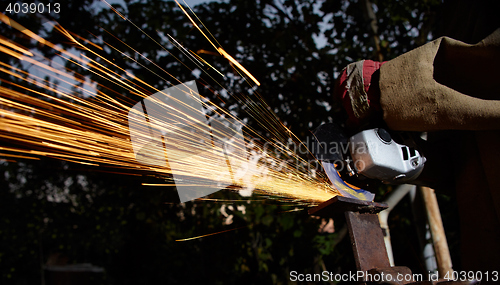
[367,240]
[338,205]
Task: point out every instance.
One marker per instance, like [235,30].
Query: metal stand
[367,240]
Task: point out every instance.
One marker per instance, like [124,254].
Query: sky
[189,2]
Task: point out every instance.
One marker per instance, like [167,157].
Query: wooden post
[443,257]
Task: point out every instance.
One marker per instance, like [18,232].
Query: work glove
[358,92]
[443,85]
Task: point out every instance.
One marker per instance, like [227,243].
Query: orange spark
[192,238]
[6,42]
[233,61]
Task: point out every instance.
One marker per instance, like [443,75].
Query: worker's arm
[443,85]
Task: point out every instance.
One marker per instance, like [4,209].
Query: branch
[370,17]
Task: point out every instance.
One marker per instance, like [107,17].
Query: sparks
[233,61]
[92,128]
[211,234]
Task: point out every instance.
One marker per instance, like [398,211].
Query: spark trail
[90,126]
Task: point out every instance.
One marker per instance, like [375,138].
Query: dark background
[130,230]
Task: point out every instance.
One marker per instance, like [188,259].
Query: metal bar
[392,200]
[338,205]
[367,241]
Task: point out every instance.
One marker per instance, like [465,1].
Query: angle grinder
[378,153]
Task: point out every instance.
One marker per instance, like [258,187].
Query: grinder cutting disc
[345,189]
[330,146]
[329,143]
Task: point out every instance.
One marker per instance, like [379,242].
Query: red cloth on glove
[354,111]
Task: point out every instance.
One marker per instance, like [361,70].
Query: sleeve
[443,85]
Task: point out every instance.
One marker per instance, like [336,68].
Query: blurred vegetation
[130,230]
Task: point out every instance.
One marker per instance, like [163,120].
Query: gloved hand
[357,89]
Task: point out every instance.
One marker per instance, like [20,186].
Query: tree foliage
[131,230]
